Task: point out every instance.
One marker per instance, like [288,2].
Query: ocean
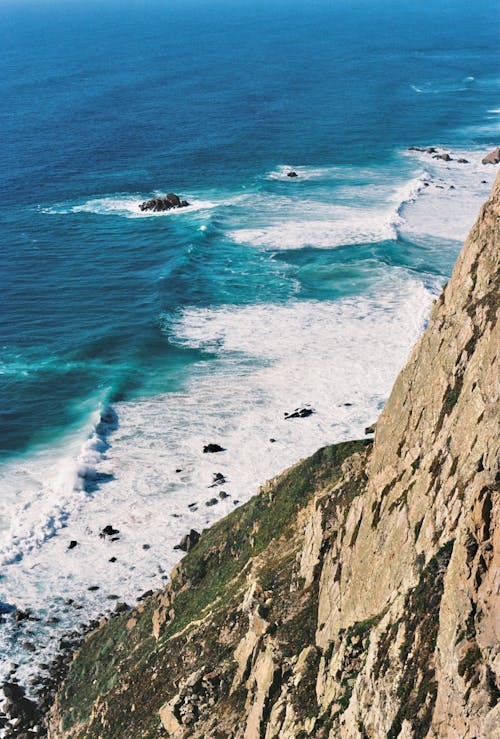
[130,340]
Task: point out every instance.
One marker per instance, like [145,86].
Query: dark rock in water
[53,620]
[145,595]
[223,495]
[272,441]
[347,405]
[157,205]
[188,541]
[463,161]
[115,538]
[108,531]
[300,413]
[211,502]
[113,597]
[22,615]
[370,429]
[444,157]
[493,157]
[146,546]
[218,479]
[292,174]
[112,559]
[73,543]
[93,588]
[178,470]
[212,449]
[451,187]
[29,646]
[430,149]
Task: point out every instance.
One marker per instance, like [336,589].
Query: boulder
[300,413]
[292,174]
[73,543]
[212,449]
[493,157]
[217,479]
[463,161]
[211,502]
[108,531]
[157,205]
[188,541]
[445,157]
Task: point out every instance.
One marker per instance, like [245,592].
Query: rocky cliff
[357,595]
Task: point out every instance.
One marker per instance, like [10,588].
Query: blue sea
[131,340]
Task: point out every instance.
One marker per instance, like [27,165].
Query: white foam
[372,215]
[448,207]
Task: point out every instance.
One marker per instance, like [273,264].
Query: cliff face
[355,596]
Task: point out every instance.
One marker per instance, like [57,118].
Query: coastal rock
[493,157]
[109,531]
[445,157]
[73,543]
[212,449]
[168,202]
[217,479]
[292,174]
[463,161]
[188,541]
[300,413]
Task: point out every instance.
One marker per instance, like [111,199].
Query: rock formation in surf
[169,202]
[356,595]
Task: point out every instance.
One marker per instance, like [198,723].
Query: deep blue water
[195,97]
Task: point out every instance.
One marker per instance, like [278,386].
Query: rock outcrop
[357,595]
[157,205]
[493,157]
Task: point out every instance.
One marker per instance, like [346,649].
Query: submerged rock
[168,202]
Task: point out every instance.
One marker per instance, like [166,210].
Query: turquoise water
[265,294]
